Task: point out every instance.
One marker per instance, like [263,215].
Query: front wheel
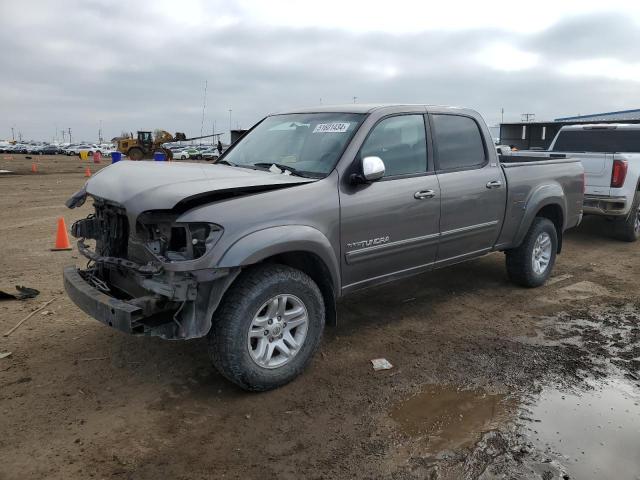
[531,263]
[267,327]
[135,153]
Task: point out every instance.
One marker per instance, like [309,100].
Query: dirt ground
[479,369]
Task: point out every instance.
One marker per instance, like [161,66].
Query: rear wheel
[267,328]
[135,153]
[628,229]
[531,263]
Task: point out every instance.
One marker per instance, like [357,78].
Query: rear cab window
[605,140]
[458,142]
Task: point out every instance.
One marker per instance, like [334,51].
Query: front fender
[544,195]
[266,243]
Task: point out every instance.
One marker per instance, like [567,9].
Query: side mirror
[372,168]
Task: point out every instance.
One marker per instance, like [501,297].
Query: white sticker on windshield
[336,127]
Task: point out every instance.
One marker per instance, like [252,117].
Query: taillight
[619,173]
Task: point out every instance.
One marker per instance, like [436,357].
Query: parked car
[254,251]
[180,155]
[610,154]
[210,154]
[49,150]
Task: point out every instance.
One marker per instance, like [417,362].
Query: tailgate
[597,171]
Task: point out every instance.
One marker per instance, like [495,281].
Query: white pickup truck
[610,155]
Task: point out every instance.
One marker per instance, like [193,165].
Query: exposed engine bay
[136,267]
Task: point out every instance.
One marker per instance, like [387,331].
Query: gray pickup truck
[308,206]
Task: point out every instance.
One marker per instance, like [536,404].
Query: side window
[401,144]
[458,142]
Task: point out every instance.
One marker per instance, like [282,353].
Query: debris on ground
[381,364]
[4,355]
[23,293]
[17,325]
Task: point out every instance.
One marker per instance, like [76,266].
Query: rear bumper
[603,205]
[112,312]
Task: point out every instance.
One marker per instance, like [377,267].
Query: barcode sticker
[336,127]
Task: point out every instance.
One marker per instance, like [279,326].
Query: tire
[135,153]
[231,349]
[521,261]
[628,229]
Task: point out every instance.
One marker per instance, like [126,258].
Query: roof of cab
[362,108]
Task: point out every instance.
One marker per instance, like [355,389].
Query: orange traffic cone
[62,239]
[34,168]
[87,172]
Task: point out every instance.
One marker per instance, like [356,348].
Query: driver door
[390,227]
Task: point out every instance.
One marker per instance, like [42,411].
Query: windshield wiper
[283,167]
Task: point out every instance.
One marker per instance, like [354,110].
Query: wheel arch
[547,201]
[298,246]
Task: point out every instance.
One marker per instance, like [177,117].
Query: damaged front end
[147,278]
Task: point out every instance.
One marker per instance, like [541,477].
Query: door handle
[494,184]
[421,195]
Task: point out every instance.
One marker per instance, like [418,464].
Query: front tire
[628,229]
[267,327]
[135,153]
[530,264]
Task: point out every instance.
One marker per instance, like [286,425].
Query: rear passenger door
[472,189]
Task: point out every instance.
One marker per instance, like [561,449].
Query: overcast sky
[137,65]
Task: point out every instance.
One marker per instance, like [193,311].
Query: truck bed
[558,177]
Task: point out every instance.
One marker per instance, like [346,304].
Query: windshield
[307,143]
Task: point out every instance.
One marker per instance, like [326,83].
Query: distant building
[539,135]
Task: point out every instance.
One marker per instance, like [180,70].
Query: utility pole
[63,134]
[528,117]
[354,99]
[502,115]
[20,136]
[100,133]
[204,105]
[13,134]
[69,134]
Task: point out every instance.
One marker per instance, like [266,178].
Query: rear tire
[530,264]
[628,229]
[250,334]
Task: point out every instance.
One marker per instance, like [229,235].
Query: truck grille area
[108,226]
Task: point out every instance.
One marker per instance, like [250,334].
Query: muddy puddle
[579,420]
[445,418]
[595,433]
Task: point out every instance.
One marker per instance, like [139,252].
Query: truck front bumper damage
[174,307]
[115,313]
